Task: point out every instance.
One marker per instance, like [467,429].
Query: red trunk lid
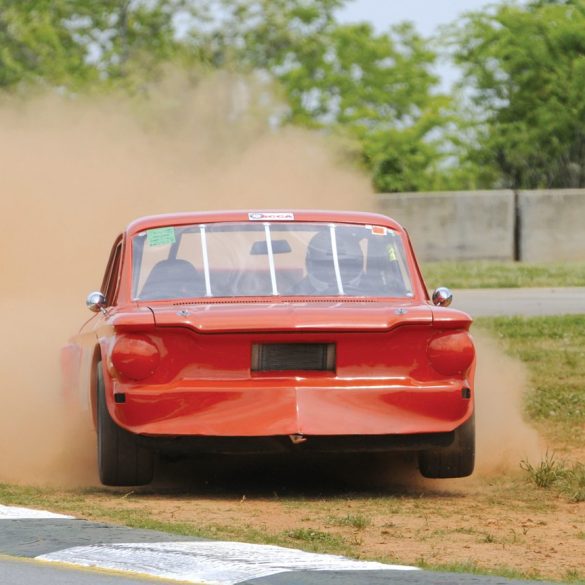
[293,316]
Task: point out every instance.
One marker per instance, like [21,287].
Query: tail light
[135,356]
[451,353]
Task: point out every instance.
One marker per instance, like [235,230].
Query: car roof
[154,221]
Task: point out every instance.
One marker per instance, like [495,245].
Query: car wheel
[121,460]
[457,460]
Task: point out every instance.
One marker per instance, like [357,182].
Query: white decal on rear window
[272,216]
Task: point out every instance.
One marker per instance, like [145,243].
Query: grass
[357,521]
[552,473]
[553,348]
[314,536]
[488,274]
[471,568]
[547,473]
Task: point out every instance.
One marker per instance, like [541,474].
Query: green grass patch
[357,521]
[552,473]
[553,348]
[41,498]
[488,274]
[472,568]
[318,540]
[574,577]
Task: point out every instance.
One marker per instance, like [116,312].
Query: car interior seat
[173,278]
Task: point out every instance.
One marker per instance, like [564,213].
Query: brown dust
[75,172]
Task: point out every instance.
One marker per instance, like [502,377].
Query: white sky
[426,14]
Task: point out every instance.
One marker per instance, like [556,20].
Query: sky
[427,15]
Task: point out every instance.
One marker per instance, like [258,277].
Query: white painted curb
[217,563]
[14,513]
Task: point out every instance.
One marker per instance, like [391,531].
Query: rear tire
[121,460]
[457,460]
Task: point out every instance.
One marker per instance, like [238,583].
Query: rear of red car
[341,351]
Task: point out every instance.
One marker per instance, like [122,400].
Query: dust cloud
[75,171]
[503,437]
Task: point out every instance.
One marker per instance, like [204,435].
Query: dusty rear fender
[120,321]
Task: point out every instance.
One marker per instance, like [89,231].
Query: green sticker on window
[392,253]
[161,236]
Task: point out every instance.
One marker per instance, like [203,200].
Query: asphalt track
[527,302]
[31,546]
[44,549]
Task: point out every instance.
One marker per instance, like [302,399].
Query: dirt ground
[497,522]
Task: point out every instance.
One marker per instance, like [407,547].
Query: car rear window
[269,259]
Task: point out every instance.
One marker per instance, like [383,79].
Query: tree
[130,37]
[526,69]
[376,89]
[75,43]
[344,78]
[37,46]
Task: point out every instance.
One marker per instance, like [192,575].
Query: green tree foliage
[76,43]
[37,46]
[130,38]
[526,67]
[376,88]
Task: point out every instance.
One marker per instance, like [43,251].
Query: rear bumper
[269,408]
[308,445]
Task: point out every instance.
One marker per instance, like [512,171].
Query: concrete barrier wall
[533,226]
[463,225]
[552,225]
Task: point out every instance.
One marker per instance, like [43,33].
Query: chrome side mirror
[442,296]
[96,301]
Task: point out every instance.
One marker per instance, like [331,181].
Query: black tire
[457,460]
[121,460]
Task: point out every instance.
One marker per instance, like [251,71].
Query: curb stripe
[15,513]
[217,563]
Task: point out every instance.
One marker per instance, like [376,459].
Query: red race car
[268,332]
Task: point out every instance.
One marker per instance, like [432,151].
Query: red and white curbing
[206,562]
